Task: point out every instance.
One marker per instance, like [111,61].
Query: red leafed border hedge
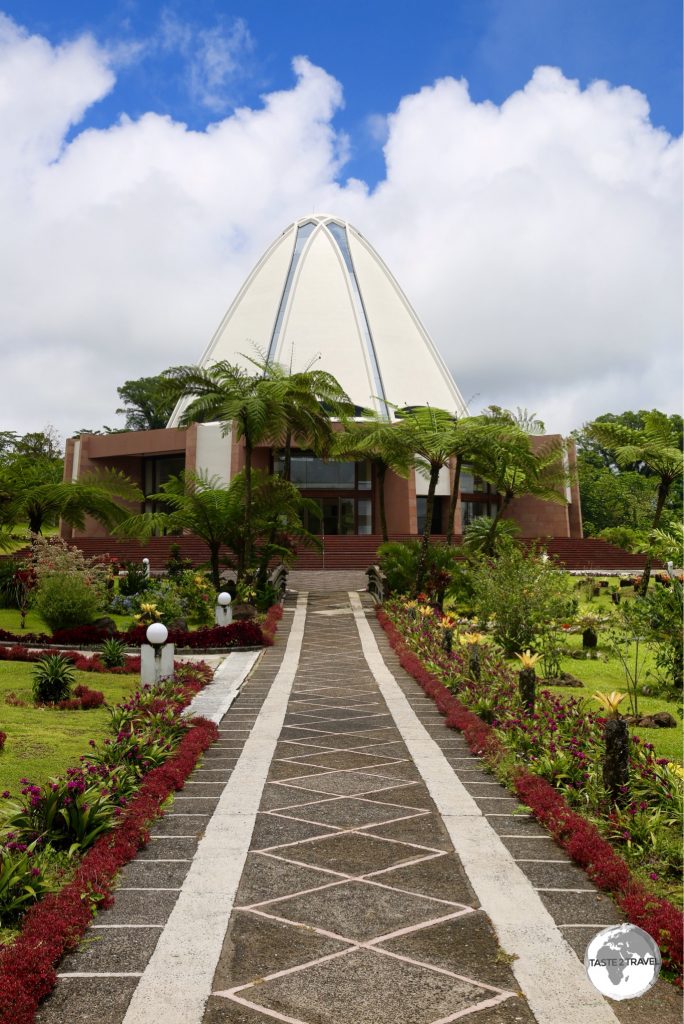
[577,836]
[54,925]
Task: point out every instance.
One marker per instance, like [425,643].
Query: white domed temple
[320,297]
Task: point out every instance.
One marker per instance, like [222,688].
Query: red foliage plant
[577,836]
[237,634]
[54,925]
[3,737]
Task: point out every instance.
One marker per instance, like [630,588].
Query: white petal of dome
[322,297]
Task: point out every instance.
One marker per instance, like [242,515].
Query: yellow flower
[426,611]
[610,701]
[470,639]
[676,769]
[447,622]
[528,659]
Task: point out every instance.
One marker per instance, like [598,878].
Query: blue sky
[379,51]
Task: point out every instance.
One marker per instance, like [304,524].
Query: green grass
[41,742]
[10,619]
[606,674]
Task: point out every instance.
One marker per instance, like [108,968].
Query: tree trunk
[527,679]
[491,536]
[247,557]
[287,468]
[427,531]
[616,760]
[382,472]
[454,500]
[214,563]
[663,489]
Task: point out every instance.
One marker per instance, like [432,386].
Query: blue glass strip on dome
[303,233]
[339,233]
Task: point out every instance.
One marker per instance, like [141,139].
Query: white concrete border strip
[215,699]
[177,981]
[550,976]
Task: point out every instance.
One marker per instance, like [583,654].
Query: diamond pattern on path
[360,911]
[344,783]
[374,868]
[423,994]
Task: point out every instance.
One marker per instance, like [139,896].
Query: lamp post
[156,656]
[223,613]
[146,567]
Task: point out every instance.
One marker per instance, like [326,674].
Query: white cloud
[539,241]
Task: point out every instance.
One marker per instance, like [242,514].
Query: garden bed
[110,800]
[561,748]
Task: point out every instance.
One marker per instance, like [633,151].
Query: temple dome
[321,297]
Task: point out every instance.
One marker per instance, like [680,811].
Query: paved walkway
[340,857]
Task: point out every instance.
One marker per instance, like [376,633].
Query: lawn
[10,620]
[41,742]
[606,674]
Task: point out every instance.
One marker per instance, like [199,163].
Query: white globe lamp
[224,599]
[157,634]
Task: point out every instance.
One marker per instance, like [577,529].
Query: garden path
[341,857]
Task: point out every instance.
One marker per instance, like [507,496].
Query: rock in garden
[107,624]
[664,720]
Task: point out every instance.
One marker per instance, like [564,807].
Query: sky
[516,163]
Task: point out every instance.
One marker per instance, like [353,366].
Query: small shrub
[89,698]
[67,599]
[113,653]
[176,564]
[53,678]
[3,738]
[135,581]
[522,593]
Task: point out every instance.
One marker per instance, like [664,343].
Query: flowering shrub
[560,747]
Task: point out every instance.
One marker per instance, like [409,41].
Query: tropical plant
[29,495]
[379,441]
[197,503]
[656,448]
[484,535]
[21,882]
[113,653]
[309,400]
[515,467]
[53,677]
[520,592]
[252,405]
[135,581]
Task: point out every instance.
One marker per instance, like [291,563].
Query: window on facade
[157,470]
[471,510]
[311,473]
[365,514]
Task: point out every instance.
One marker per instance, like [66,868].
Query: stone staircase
[359,552]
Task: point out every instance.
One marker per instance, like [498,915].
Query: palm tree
[515,468]
[427,434]
[657,449]
[227,393]
[28,495]
[197,503]
[310,399]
